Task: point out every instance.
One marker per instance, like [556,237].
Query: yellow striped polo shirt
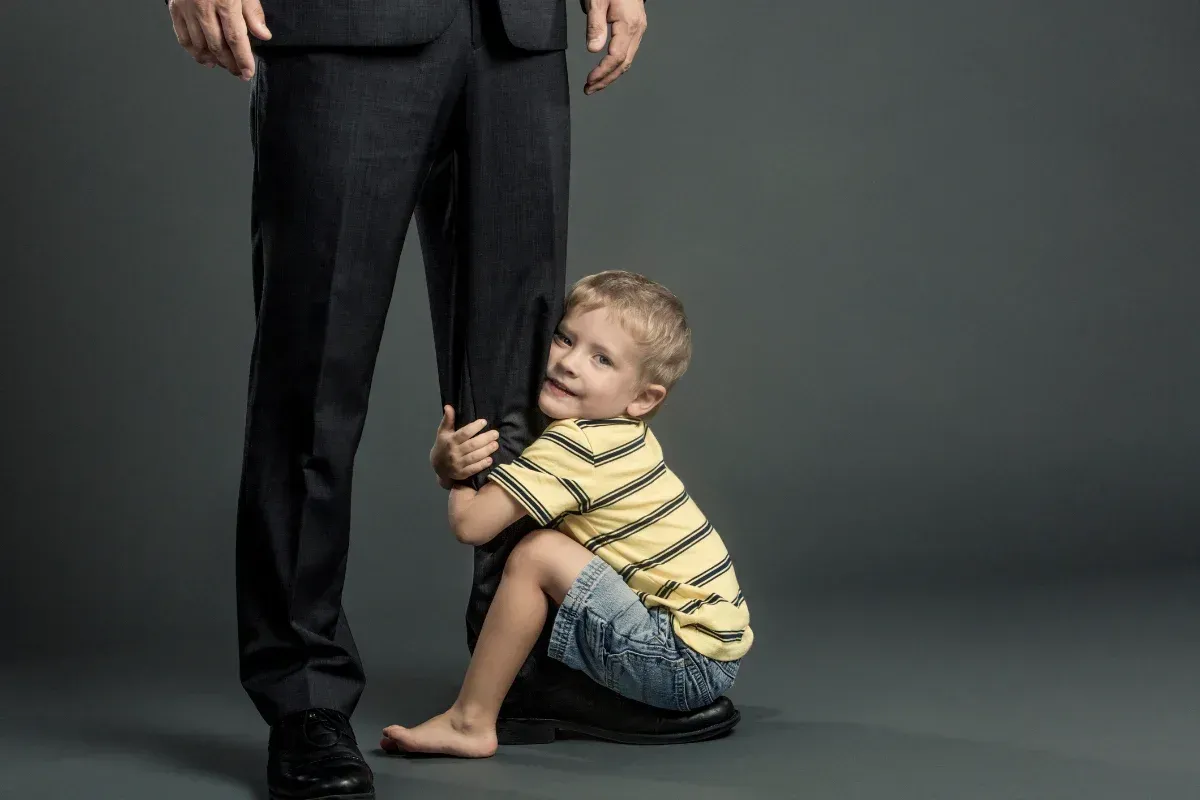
[604,483]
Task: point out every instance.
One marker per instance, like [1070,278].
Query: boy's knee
[530,554]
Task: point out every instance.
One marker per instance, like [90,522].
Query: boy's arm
[476,517]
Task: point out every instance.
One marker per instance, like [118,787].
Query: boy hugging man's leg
[648,600]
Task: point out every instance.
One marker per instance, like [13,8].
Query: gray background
[940,259]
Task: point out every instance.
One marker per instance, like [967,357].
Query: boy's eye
[561,336]
[604,360]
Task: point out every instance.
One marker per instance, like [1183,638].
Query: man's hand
[214,32]
[457,455]
[628,20]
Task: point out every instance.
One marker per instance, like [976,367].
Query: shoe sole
[521,731]
[359,796]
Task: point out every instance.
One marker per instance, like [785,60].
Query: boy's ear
[649,397]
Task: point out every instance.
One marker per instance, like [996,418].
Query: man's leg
[493,227]
[342,143]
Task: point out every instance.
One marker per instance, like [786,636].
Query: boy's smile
[559,388]
[594,370]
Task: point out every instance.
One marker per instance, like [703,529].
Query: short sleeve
[547,478]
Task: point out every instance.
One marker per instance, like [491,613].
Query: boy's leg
[542,567]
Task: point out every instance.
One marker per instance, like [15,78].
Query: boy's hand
[457,455]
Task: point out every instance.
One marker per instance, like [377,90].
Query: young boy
[649,604]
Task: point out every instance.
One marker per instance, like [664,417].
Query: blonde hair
[649,312]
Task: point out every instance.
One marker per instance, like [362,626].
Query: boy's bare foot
[447,733]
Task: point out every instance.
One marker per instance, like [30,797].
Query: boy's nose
[567,365]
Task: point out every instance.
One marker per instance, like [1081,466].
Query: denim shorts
[604,630]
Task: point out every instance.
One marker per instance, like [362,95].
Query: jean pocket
[724,673]
[709,679]
[653,679]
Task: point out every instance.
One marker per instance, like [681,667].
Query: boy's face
[593,371]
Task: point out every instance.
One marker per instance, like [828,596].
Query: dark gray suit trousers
[471,133]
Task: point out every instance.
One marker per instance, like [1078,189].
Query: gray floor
[1062,689]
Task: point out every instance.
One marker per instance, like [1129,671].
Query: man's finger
[597,25]
[626,38]
[447,423]
[609,67]
[634,44]
[256,21]
[198,47]
[214,38]
[183,35]
[233,30]
[181,31]
[604,72]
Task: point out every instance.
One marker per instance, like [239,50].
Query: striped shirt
[604,483]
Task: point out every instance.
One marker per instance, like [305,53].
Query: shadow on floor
[770,757]
[237,760]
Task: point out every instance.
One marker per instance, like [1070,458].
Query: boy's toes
[394,738]
[438,736]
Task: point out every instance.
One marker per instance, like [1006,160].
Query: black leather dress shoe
[313,755]
[578,705]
